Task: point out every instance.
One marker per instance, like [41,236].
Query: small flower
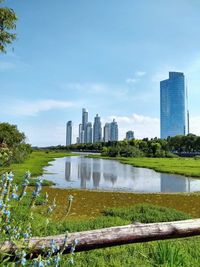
[70,198]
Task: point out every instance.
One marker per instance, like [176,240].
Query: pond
[110,175]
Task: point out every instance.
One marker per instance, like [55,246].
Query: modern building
[130,135]
[97,130]
[88,133]
[69,133]
[172,105]
[113,131]
[84,123]
[106,132]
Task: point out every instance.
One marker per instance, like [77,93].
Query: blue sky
[105,55]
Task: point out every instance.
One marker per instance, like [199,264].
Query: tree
[12,144]
[8,20]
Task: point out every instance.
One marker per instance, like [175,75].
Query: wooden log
[113,236]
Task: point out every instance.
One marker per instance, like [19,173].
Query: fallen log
[113,236]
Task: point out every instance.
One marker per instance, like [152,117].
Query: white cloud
[143,126]
[195,125]
[33,108]
[131,80]
[95,89]
[140,73]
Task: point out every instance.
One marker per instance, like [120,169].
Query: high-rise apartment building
[106,132]
[84,123]
[113,131]
[129,135]
[172,105]
[89,133]
[69,133]
[97,130]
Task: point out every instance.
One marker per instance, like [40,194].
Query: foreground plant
[20,232]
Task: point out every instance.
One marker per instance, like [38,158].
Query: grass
[93,209]
[35,164]
[183,166]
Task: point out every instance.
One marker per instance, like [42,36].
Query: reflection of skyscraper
[97,131]
[173,183]
[68,171]
[96,174]
[110,172]
[69,133]
[84,172]
[111,177]
[172,105]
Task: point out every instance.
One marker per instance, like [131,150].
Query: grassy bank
[93,209]
[183,166]
[35,164]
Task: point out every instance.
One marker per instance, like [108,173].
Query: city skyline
[92,133]
[86,59]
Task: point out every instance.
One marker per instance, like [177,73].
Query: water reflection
[81,172]
[173,184]
[68,171]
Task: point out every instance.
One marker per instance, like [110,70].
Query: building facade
[113,131]
[89,133]
[97,130]
[172,105]
[106,132]
[69,133]
[84,123]
[130,135]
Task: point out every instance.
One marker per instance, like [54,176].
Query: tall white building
[69,133]
[84,123]
[113,131]
[97,130]
[106,132]
[89,133]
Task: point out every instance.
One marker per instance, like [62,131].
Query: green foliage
[167,253]
[12,145]
[146,213]
[8,20]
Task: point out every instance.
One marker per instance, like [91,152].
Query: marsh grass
[183,166]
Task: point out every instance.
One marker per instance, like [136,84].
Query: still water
[110,175]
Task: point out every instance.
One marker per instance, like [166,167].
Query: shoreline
[146,163]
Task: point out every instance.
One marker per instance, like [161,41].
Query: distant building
[89,133]
[97,130]
[84,123]
[106,132]
[80,134]
[113,131]
[172,105]
[69,133]
[129,135]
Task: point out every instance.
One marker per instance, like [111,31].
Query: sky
[104,55]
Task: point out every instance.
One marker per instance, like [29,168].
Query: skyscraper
[106,132]
[113,131]
[89,133]
[84,123]
[172,105]
[97,131]
[69,133]
[129,135]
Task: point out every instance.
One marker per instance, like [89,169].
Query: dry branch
[114,236]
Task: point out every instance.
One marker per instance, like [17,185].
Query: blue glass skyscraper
[172,105]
